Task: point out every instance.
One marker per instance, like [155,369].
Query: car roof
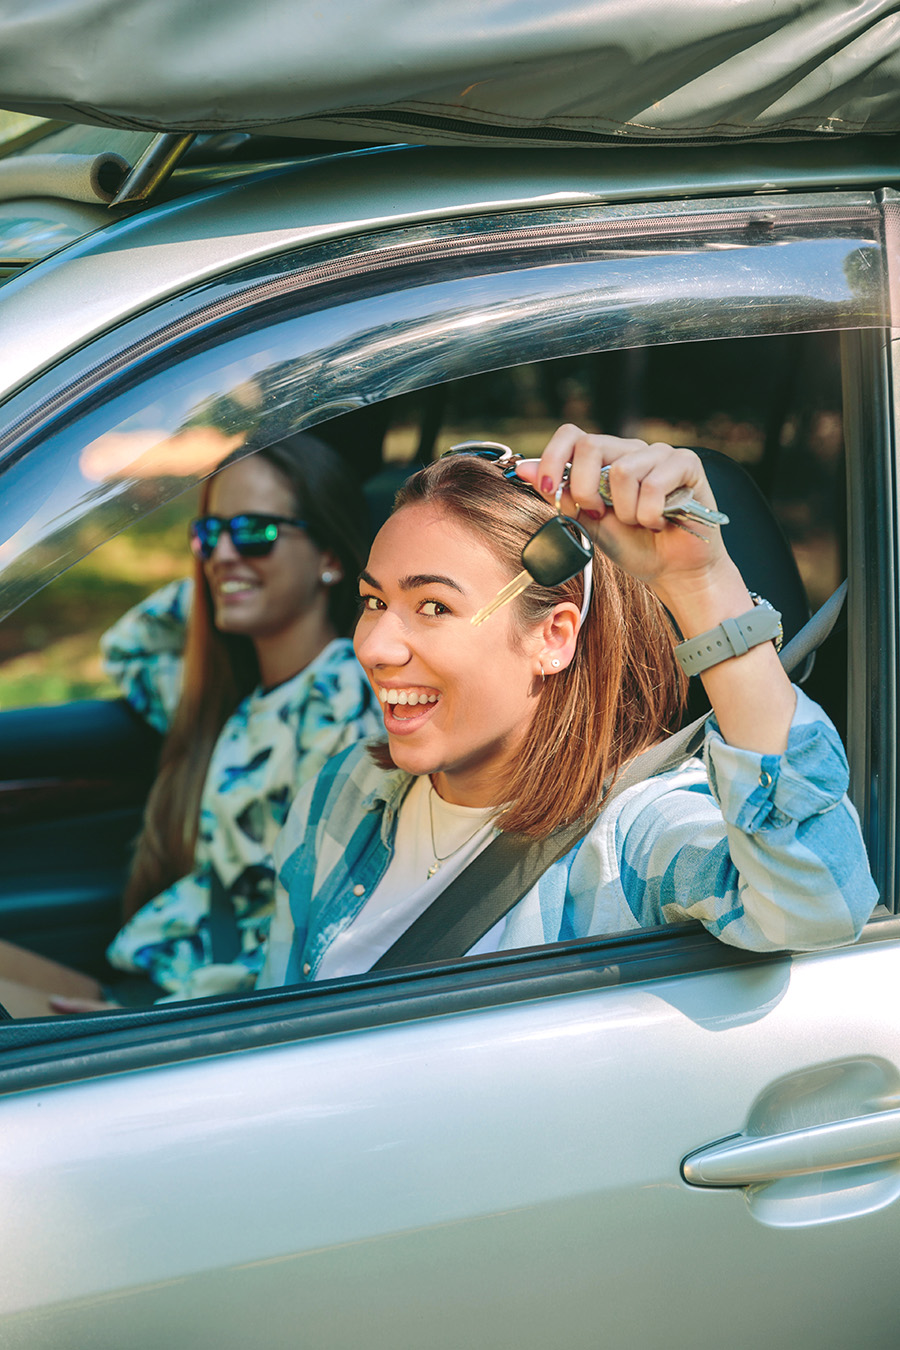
[237,215]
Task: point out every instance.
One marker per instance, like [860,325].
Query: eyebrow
[415,582]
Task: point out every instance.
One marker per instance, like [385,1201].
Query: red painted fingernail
[546,484]
[591,515]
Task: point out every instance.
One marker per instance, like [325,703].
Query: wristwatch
[732,637]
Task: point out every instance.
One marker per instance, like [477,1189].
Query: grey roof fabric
[522,71]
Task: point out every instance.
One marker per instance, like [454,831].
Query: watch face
[761,600]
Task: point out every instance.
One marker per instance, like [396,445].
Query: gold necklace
[438,860]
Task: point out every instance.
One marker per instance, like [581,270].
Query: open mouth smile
[406,709]
[235,586]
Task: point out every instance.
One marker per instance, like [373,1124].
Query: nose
[224,550]
[381,640]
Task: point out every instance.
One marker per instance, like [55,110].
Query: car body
[512,1150]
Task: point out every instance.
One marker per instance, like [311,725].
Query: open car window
[400,343]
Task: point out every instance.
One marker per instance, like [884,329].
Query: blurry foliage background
[48,647]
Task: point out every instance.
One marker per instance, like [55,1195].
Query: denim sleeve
[767,854]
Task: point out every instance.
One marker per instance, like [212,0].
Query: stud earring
[555,662]
[330,577]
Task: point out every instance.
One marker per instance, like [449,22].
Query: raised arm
[143,651]
[695,579]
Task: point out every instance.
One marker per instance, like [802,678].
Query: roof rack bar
[153,167]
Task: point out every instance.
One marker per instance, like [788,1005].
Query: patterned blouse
[273,743]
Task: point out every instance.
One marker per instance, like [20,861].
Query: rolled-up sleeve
[767,853]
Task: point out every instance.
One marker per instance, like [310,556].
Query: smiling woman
[519,724]
[247,669]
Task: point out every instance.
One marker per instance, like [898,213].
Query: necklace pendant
[434,867]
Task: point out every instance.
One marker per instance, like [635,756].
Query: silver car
[648,1140]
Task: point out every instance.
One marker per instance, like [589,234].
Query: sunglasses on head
[554,553]
[494,452]
[253,535]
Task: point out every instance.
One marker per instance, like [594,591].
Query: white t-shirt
[406,890]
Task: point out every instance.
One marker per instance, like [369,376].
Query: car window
[731,326]
[783,424]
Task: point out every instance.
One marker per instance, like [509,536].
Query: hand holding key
[679,507]
[629,495]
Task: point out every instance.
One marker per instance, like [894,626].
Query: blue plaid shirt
[765,850]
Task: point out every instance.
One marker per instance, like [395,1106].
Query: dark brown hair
[221,668]
[623,689]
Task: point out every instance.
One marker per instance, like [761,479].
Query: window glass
[772,404]
[49,647]
[311,340]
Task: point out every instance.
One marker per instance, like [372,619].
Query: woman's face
[465,696]
[260,597]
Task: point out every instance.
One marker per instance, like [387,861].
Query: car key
[680,505]
[552,555]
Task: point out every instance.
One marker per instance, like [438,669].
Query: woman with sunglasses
[247,669]
[517,724]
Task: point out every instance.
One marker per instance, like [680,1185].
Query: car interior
[75,773]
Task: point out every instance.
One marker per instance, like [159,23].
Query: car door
[512,1150]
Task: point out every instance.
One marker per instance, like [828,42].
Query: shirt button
[359,890]
[306,967]
[765,779]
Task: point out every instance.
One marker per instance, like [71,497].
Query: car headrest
[755,540]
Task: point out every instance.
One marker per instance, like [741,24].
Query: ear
[330,569]
[556,637]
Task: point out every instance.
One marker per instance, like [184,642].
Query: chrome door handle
[746,1160]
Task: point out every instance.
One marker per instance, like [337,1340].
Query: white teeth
[229,587]
[405,696]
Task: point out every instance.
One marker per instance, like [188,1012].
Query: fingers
[60,1004]
[640,478]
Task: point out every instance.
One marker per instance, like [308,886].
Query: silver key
[680,506]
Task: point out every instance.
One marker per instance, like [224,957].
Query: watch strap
[732,637]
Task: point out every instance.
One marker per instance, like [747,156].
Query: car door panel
[73,779]
[467,1179]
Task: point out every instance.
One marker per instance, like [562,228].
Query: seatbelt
[497,879]
[224,932]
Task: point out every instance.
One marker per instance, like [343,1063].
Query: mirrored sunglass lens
[204,536]
[253,534]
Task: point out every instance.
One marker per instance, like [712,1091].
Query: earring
[541,669]
[555,662]
[330,577]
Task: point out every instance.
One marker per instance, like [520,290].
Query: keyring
[563,484]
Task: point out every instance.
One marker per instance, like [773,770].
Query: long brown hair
[220,669]
[623,689]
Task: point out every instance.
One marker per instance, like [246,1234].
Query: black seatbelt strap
[224,933]
[495,881]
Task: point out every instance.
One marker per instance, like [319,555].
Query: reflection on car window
[772,404]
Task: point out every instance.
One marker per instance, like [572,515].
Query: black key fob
[558,551]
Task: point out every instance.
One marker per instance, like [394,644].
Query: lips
[407,708]
[235,586]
